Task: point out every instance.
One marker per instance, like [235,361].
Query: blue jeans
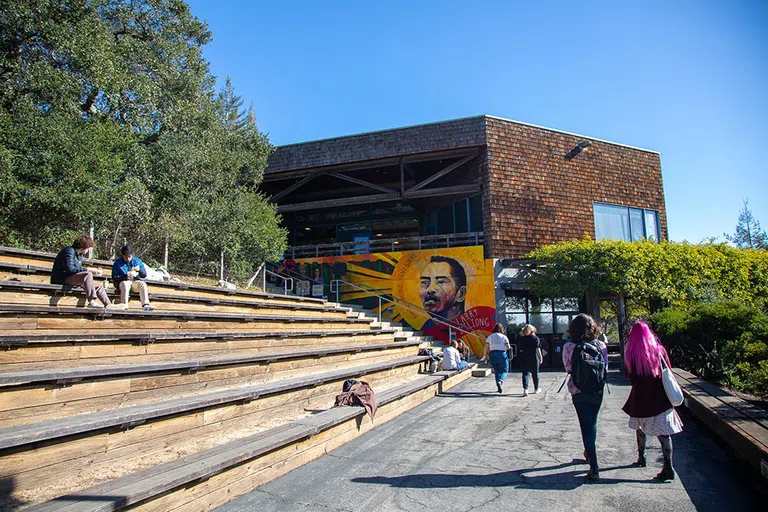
[534,371]
[461,365]
[500,365]
[587,407]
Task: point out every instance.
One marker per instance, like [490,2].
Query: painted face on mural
[443,288]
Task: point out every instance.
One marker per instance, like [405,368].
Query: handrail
[452,325]
[408,306]
[285,281]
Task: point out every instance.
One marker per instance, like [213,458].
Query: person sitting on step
[128,272]
[452,358]
[68,270]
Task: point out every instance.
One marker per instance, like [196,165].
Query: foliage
[724,342]
[108,115]
[652,275]
[749,234]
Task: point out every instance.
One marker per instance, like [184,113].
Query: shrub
[724,342]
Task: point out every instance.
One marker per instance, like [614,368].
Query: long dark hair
[498,328]
[583,328]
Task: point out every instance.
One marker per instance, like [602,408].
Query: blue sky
[685,78]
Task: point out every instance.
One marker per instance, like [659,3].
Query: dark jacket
[359,394]
[120,269]
[529,355]
[647,397]
[68,262]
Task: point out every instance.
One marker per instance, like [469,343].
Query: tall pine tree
[749,234]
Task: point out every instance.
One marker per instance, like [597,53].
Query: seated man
[127,272]
[452,358]
[68,270]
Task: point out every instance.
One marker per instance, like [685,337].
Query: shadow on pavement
[521,478]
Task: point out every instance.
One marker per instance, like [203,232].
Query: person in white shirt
[452,358]
[496,346]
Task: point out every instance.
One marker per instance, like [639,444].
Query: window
[548,316]
[624,223]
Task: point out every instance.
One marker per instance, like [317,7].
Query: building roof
[410,140]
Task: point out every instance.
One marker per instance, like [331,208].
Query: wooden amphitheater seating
[185,407]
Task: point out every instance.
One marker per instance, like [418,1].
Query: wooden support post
[622,320]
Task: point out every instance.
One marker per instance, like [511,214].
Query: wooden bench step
[147,337]
[39,267]
[23,320]
[740,424]
[200,467]
[124,418]
[68,375]
[40,292]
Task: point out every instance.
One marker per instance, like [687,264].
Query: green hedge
[724,342]
[652,275]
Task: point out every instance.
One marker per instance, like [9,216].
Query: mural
[421,288]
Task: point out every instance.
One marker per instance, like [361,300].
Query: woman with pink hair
[649,409]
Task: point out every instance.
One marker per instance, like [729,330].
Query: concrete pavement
[473,449]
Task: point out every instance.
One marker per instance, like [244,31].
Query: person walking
[585,358]
[68,270]
[650,411]
[496,346]
[531,358]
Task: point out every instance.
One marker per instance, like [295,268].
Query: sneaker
[538,390]
[525,392]
[147,307]
[498,387]
[94,305]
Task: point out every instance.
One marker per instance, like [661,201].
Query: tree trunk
[221,266]
[165,253]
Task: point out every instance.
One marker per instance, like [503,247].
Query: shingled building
[507,185]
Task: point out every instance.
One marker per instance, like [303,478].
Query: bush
[724,342]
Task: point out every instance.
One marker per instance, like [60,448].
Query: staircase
[186,407]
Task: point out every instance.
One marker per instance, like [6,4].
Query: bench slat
[145,484]
[31,433]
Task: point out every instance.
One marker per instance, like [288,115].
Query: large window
[463,216]
[624,223]
[547,315]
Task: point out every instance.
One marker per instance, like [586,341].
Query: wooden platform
[740,424]
[187,406]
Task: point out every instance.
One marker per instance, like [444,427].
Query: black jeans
[587,407]
[534,371]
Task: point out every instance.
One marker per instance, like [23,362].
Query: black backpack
[588,367]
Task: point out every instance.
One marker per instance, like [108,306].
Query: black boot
[667,473]
[641,462]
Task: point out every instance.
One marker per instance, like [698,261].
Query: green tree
[108,114]
[82,83]
[230,108]
[749,234]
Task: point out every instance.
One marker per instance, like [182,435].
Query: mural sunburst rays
[397,276]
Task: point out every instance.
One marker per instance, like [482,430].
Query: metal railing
[409,306]
[286,281]
[385,245]
[336,287]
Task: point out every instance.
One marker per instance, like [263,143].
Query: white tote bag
[671,387]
